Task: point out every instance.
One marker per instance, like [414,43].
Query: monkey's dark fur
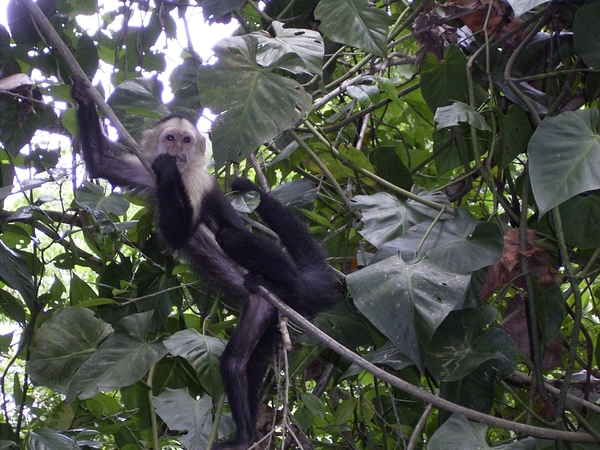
[186,196]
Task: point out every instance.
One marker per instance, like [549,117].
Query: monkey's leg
[242,357]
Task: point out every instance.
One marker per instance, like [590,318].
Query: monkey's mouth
[181,161]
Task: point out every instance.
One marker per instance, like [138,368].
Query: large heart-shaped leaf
[254,103]
[184,413]
[307,45]
[385,218]
[407,302]
[461,244]
[444,81]
[64,342]
[586,33]
[355,23]
[564,158]
[124,358]
[457,112]
[459,433]
[16,273]
[47,439]
[202,352]
[460,345]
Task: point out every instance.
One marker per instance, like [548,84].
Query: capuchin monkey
[186,197]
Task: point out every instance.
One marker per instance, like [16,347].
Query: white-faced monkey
[186,196]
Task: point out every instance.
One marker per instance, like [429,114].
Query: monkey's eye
[187,139]
[170,137]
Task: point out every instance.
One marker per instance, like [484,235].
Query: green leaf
[514,135]
[355,23]
[580,218]
[461,244]
[458,433]
[365,94]
[443,82]
[313,404]
[460,345]
[389,167]
[345,411]
[384,217]
[92,196]
[15,130]
[388,355]
[407,302]
[15,272]
[457,112]
[564,158]
[202,352]
[306,47]
[254,104]
[63,342]
[183,413]
[520,7]
[124,358]
[46,439]
[475,391]
[80,291]
[586,33]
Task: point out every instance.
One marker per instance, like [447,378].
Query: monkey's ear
[200,144]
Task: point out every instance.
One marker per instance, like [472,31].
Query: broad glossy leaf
[354,22]
[46,439]
[254,103]
[587,33]
[564,158]
[444,81]
[306,45]
[389,166]
[183,413]
[459,433]
[16,130]
[384,217]
[460,345]
[11,307]
[457,112]
[143,93]
[124,358]
[388,355]
[515,132]
[92,196]
[474,391]
[580,218]
[15,272]
[461,244]
[407,302]
[63,343]
[520,7]
[202,352]
[213,10]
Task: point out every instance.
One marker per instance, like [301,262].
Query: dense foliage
[446,155]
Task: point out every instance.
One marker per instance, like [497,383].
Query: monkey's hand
[80,90]
[175,211]
[165,169]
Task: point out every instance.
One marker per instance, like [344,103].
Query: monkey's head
[176,136]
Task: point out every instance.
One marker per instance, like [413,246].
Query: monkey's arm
[101,157]
[175,210]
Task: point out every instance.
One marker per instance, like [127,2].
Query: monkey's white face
[178,143]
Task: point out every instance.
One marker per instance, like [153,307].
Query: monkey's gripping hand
[80,90]
[175,211]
